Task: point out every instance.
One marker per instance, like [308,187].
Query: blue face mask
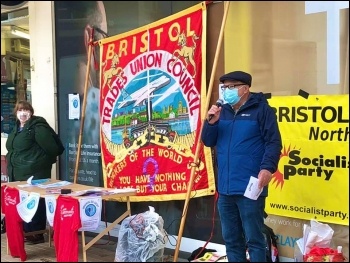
[231,96]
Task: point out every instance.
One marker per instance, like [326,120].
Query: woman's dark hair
[23,105]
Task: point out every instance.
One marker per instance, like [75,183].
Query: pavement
[101,251]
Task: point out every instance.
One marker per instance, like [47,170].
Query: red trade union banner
[153,90]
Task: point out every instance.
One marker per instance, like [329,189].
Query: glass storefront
[15,62]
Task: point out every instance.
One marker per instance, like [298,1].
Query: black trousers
[39,220]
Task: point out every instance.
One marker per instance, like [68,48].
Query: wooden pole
[84,108]
[198,139]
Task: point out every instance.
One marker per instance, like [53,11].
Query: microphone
[218,103]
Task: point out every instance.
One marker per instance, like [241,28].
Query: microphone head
[219,102]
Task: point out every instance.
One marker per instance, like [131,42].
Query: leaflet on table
[101,192]
[31,182]
[53,190]
[37,181]
[40,183]
[54,185]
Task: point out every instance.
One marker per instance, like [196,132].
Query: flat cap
[238,76]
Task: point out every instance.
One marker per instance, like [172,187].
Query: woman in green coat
[31,151]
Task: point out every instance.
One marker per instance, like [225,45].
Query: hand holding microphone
[215,110]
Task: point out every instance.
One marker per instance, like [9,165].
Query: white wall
[42,59]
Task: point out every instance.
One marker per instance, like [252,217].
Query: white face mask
[23,116]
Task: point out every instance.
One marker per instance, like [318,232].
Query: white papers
[89,192]
[90,212]
[24,185]
[253,191]
[124,190]
[74,106]
[101,192]
[27,208]
[50,202]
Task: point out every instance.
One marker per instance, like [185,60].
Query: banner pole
[198,138]
[84,106]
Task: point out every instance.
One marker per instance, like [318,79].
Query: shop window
[15,62]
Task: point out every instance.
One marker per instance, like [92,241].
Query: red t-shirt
[14,223]
[65,225]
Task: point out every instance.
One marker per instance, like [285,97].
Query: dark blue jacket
[246,143]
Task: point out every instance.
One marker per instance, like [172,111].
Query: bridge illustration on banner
[147,91]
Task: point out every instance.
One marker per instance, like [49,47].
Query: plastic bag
[317,234]
[318,254]
[141,238]
[315,245]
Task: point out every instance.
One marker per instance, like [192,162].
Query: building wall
[255,51]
